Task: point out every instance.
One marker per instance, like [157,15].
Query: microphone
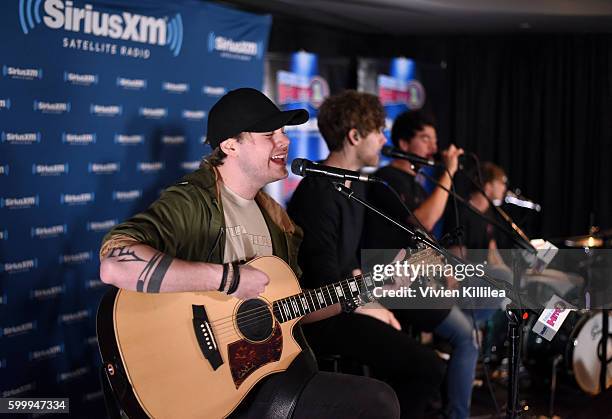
[552,317]
[305,167]
[515,198]
[390,151]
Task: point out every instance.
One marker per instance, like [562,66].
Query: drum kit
[577,347]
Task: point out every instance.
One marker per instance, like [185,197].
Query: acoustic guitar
[198,354]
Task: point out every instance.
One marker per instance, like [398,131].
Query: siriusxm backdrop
[304,80]
[102,104]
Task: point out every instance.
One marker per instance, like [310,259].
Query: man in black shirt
[352,125]
[414,132]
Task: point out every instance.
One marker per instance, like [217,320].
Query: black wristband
[224,277]
[235,279]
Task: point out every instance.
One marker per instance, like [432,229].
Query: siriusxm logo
[94,395]
[47,293]
[148,167]
[103,168]
[75,258]
[127,195]
[19,390]
[153,113]
[73,317]
[62,14]
[19,266]
[78,139]
[105,110]
[214,91]
[50,169]
[49,231]
[46,353]
[193,115]
[5,104]
[19,329]
[4,169]
[175,87]
[101,225]
[22,73]
[91,340]
[128,139]
[76,199]
[81,79]
[3,299]
[71,375]
[229,48]
[21,138]
[134,84]
[173,139]
[94,283]
[51,107]
[3,234]
[2,361]
[19,202]
[190,165]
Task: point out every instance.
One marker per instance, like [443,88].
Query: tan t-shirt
[246,232]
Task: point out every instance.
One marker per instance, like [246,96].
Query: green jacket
[187,222]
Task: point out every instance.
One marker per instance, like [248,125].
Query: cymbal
[584,241]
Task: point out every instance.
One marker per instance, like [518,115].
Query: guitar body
[162,363]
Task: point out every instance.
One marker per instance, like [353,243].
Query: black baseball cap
[247,110]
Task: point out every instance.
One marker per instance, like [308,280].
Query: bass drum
[577,343]
[538,353]
[585,350]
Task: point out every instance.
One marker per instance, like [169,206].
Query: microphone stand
[514,312]
[521,241]
[522,237]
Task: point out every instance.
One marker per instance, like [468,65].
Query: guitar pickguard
[246,357]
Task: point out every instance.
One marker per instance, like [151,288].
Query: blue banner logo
[60,14]
[229,48]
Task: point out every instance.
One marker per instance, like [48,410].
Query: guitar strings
[420,256]
[261,313]
[260,310]
[246,313]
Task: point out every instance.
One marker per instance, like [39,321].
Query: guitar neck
[309,301]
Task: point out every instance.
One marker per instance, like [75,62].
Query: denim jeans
[458,329]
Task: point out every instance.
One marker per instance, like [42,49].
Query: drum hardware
[553,385]
[579,344]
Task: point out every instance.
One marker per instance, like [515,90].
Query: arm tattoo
[153,273]
[125,254]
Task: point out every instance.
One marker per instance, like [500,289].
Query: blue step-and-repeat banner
[102,105]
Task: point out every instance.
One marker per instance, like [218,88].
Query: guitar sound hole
[254,320]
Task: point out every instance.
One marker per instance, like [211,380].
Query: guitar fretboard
[313,300]
[298,305]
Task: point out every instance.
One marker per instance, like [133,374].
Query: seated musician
[414,132]
[188,239]
[351,124]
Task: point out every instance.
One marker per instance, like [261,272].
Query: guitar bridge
[205,337]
